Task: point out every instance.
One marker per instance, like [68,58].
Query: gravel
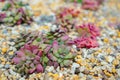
[101,63]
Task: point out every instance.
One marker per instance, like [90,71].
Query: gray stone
[7,66]
[1,65]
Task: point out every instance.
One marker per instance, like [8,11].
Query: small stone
[82,68]
[113,70]
[6,73]
[115,62]
[109,59]
[12,72]
[1,72]
[1,65]
[106,40]
[12,43]
[77,71]
[7,66]
[4,50]
[75,77]
[50,69]
[74,66]
[118,72]
[86,71]
[11,53]
[22,79]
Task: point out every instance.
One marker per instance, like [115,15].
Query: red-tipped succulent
[87,36]
[86,42]
[91,4]
[2,0]
[2,16]
[66,18]
[88,29]
[15,13]
[28,59]
[52,49]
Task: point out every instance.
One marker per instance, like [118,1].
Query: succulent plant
[25,37]
[27,59]
[91,4]
[16,13]
[87,36]
[52,49]
[2,16]
[86,42]
[88,29]
[2,0]
[66,18]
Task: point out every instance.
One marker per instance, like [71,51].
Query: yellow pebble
[50,74]
[3,63]
[2,59]
[79,61]
[91,73]
[44,28]
[109,50]
[3,77]
[106,40]
[96,53]
[11,53]
[38,75]
[79,57]
[55,76]
[4,50]
[76,77]
[113,70]
[93,60]
[107,59]
[8,63]
[108,74]
[114,44]
[118,34]
[115,62]
[99,51]
[118,57]
[61,78]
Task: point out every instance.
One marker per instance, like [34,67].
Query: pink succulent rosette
[68,11]
[91,4]
[86,42]
[88,29]
[2,16]
[87,36]
[2,0]
[34,53]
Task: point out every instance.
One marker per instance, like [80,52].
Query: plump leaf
[39,68]
[66,62]
[38,39]
[45,59]
[59,60]
[57,55]
[79,1]
[69,56]
[6,7]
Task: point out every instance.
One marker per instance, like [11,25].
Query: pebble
[49,69]
[110,59]
[82,68]
[74,66]
[4,50]
[12,72]
[1,66]
[22,79]
[7,66]
[77,71]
